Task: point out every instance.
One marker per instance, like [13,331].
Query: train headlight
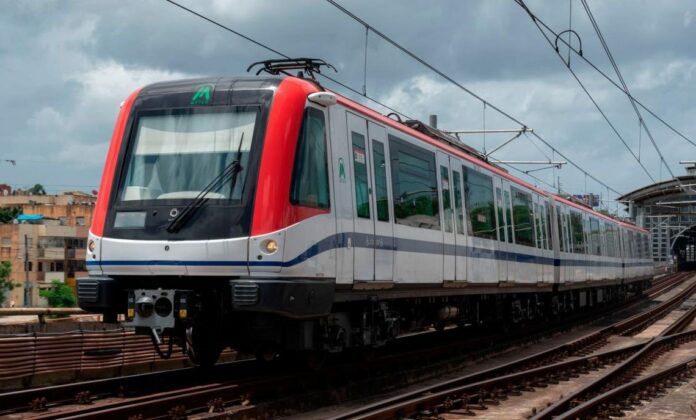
[144,306]
[91,245]
[269,246]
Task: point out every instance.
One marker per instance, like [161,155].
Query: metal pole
[27,284]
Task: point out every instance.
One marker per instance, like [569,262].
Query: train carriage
[267,213]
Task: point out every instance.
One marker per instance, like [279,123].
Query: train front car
[193,201]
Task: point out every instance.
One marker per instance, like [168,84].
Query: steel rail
[499,377]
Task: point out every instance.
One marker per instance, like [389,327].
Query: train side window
[310,174]
[508,214]
[458,205]
[446,200]
[577,232]
[414,185]
[522,216]
[478,190]
[382,195]
[362,196]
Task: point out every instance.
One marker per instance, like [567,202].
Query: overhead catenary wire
[462,87]
[623,83]
[274,51]
[536,19]
[592,99]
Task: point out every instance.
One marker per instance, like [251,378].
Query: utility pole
[27,284]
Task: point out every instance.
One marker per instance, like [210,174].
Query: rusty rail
[538,369]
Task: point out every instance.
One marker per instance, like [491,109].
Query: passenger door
[444,177]
[502,244]
[459,220]
[363,237]
[381,202]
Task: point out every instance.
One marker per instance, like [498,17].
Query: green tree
[37,189]
[60,295]
[7,214]
[5,284]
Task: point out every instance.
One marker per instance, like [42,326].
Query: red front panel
[272,208]
[106,185]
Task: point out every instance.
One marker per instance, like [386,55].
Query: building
[45,243]
[668,210]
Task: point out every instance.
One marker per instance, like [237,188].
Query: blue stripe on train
[363,240]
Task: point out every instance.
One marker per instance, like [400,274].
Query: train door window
[542,227]
[569,232]
[522,217]
[458,205]
[382,195]
[502,234]
[508,214]
[547,216]
[561,231]
[478,190]
[577,234]
[537,231]
[446,200]
[310,174]
[595,238]
[414,185]
[362,196]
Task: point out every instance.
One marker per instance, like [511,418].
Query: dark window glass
[458,205]
[595,237]
[577,234]
[310,175]
[414,185]
[478,190]
[522,216]
[508,214]
[501,220]
[446,204]
[382,196]
[547,222]
[539,236]
[362,196]
[561,231]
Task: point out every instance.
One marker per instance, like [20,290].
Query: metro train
[269,214]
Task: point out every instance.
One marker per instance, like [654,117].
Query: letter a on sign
[203,95]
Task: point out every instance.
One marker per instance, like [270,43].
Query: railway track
[116,398]
[476,393]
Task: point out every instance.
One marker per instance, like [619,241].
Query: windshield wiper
[229,173]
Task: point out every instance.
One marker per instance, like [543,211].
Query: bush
[5,283]
[60,295]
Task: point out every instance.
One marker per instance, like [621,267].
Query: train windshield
[177,156]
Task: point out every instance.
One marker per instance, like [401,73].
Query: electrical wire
[274,51]
[536,19]
[460,86]
[623,82]
[596,105]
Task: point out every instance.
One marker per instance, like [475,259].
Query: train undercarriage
[204,321]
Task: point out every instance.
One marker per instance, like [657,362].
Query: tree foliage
[7,214]
[37,189]
[60,295]
[5,283]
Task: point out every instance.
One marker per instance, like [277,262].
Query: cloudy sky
[66,65]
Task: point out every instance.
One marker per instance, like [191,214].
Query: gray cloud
[66,66]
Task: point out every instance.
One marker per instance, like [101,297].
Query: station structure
[668,210]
